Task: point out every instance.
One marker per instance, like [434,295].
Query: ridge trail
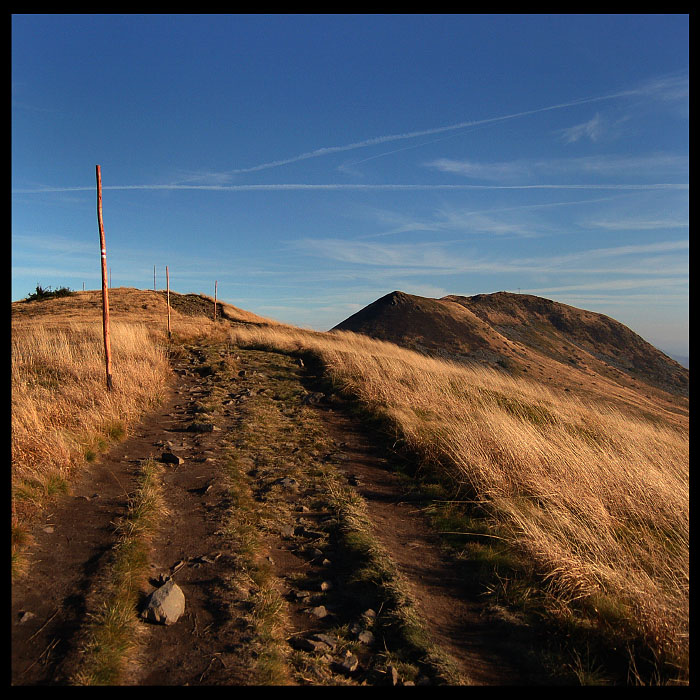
[270,428]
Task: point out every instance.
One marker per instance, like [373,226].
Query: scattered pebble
[365,637]
[349,664]
[320,612]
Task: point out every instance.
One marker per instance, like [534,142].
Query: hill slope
[438,326]
[552,342]
[556,329]
[271,479]
[133,305]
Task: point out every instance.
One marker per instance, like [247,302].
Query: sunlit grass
[595,498]
[62,413]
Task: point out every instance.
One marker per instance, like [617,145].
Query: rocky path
[276,587]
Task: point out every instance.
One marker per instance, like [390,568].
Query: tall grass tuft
[62,413]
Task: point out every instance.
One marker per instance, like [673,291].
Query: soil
[457,620]
[318,440]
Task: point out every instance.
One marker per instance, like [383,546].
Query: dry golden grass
[594,493]
[62,413]
[595,497]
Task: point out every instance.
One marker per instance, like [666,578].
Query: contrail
[350,186]
[426,132]
[379,140]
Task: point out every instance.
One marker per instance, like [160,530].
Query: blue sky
[313,163]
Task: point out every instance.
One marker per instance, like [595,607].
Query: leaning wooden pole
[105,294]
[216,284]
[167,284]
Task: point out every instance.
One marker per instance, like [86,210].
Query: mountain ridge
[522,333]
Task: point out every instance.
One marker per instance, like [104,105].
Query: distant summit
[434,325]
[521,333]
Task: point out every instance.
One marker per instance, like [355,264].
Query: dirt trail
[69,546]
[457,619]
[312,441]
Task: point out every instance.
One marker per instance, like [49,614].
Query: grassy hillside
[62,417]
[595,499]
[560,330]
[586,490]
[560,346]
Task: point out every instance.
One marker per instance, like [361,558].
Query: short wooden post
[167,284]
[215,288]
[105,294]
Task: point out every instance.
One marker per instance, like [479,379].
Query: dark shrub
[40,294]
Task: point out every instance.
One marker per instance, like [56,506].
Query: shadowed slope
[436,326]
[552,343]
[557,330]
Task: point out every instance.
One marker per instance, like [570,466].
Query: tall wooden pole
[105,294]
[216,284]
[167,283]
[154,278]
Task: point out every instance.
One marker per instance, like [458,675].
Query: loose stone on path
[165,605]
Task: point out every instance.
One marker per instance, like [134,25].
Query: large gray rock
[165,604]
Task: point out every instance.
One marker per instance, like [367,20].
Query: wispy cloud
[638,224]
[592,130]
[347,167]
[635,249]
[669,163]
[508,170]
[435,258]
[399,222]
[57,245]
[668,87]
[421,255]
[202,178]
[614,284]
[474,222]
[39,272]
[423,132]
